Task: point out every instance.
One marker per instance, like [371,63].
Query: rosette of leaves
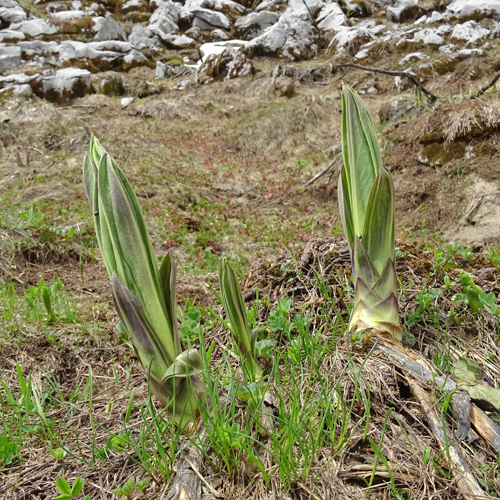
[366,199]
[144,295]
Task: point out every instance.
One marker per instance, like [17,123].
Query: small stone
[23,90]
[412,58]
[125,101]
[134,59]
[436,17]
[428,37]
[217,35]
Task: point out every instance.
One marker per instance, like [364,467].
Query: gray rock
[351,39]
[331,17]
[272,6]
[52,7]
[194,33]
[230,63]
[444,29]
[403,10]
[435,17]
[113,45]
[67,84]
[413,58]
[10,36]
[125,101]
[219,35]
[67,15]
[17,79]
[134,59]
[357,8]
[255,23]
[165,18]
[402,83]
[104,54]
[38,48]
[132,5]
[428,36]
[293,36]
[392,111]
[470,33]
[108,29]
[24,90]
[35,27]
[224,6]
[206,19]
[464,54]
[178,41]
[474,9]
[11,12]
[143,38]
[313,6]
[10,57]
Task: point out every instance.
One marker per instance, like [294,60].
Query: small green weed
[70,493]
[127,489]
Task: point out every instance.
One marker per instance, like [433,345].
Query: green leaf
[152,352]
[128,486]
[63,486]
[141,485]
[472,291]
[361,154]
[378,231]
[168,277]
[77,487]
[264,348]
[470,378]
[63,497]
[345,206]
[232,301]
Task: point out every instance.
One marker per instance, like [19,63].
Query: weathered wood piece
[485,427]
[465,479]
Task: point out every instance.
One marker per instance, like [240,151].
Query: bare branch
[401,74]
[492,82]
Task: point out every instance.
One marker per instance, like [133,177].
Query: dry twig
[401,74]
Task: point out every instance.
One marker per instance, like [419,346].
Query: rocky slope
[54,49]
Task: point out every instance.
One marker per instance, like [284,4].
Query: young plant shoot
[366,199]
[232,301]
[144,295]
